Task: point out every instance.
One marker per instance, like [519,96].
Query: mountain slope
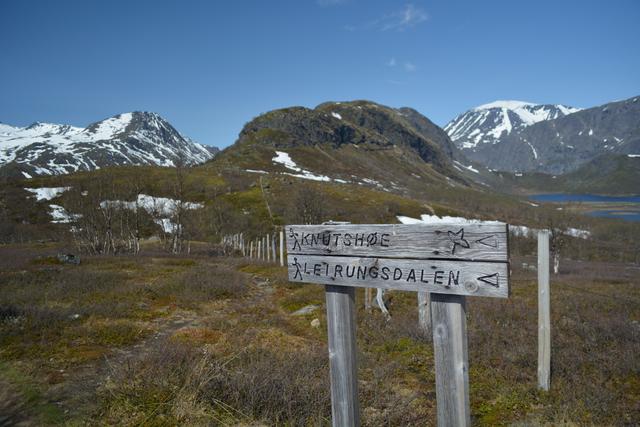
[137,138]
[563,144]
[606,174]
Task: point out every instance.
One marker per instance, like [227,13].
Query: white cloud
[325,3]
[406,18]
[392,62]
[409,66]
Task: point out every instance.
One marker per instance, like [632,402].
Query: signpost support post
[341,325]
[451,360]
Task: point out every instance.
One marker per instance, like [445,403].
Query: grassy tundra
[202,338]
[207,340]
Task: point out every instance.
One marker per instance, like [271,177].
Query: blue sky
[210,66]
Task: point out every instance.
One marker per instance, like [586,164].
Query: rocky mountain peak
[134,138]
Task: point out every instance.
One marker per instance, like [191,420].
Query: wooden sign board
[450,259]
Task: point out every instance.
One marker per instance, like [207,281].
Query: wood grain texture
[486,279]
[480,242]
[544,317]
[341,324]
[424,312]
[451,360]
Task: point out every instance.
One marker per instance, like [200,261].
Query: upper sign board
[440,258]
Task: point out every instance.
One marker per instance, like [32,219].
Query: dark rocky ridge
[364,124]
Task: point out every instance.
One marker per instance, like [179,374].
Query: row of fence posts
[269,248]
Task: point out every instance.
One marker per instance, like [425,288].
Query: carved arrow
[491,243]
[490,279]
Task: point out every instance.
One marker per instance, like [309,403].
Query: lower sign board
[487,279]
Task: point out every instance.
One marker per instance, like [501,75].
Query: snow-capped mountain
[555,140]
[137,138]
[488,123]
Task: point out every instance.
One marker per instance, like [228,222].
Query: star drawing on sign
[458,240]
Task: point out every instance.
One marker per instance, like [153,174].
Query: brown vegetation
[172,340]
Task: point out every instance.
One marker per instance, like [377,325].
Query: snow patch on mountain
[162,209]
[60,215]
[284,159]
[47,193]
[511,105]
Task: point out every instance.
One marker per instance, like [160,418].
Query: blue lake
[583,198]
[628,215]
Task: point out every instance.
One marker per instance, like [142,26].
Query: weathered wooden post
[424,312]
[341,326]
[450,356]
[267,246]
[273,249]
[448,261]
[281,248]
[544,315]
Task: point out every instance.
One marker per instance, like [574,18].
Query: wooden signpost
[447,261]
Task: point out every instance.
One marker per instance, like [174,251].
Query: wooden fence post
[367,298]
[451,360]
[341,325]
[544,315]
[424,312]
[273,248]
[267,244]
[281,248]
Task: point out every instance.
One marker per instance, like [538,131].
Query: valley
[162,324]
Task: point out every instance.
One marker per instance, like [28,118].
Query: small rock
[315,323]
[69,259]
[305,310]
